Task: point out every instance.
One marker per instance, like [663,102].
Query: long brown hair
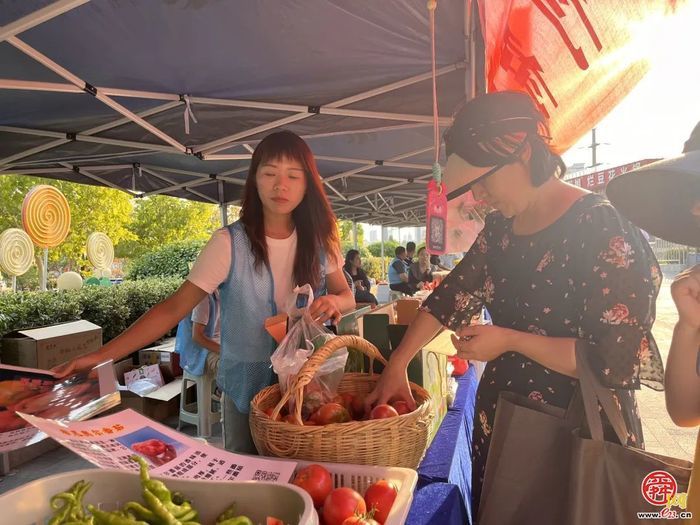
[314,219]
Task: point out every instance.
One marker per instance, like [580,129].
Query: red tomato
[380,497]
[357,405]
[345,400]
[310,423]
[401,407]
[332,413]
[268,413]
[341,504]
[315,480]
[273,521]
[383,411]
[360,520]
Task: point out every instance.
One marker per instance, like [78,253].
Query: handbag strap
[593,392]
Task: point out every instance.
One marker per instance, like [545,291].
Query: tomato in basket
[342,503]
[315,480]
[382,412]
[331,413]
[345,400]
[380,497]
[273,521]
[401,407]
[357,406]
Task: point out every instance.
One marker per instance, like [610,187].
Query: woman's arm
[485,343]
[155,323]
[682,379]
[338,300]
[200,337]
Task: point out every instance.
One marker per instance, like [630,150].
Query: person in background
[398,273]
[410,253]
[286,236]
[206,330]
[353,267]
[437,264]
[420,273]
[663,198]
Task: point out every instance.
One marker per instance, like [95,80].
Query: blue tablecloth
[448,459]
[438,504]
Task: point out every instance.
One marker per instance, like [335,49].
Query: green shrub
[172,260]
[373,266]
[389,247]
[114,308]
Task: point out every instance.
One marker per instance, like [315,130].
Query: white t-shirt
[214,264]
[200,315]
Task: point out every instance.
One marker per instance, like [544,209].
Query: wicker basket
[393,442]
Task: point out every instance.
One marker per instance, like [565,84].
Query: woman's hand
[324,308]
[360,286]
[483,342]
[393,385]
[685,291]
[79,364]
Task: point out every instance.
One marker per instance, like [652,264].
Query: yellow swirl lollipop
[46,216]
[16,252]
[100,251]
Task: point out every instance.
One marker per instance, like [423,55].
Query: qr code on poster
[264,475]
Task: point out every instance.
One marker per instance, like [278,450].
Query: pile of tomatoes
[341,409]
[343,505]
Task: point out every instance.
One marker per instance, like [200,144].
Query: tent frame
[403,207]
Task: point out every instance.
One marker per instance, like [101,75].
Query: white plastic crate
[360,477]
[111,489]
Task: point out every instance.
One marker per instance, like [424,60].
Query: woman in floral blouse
[556,266]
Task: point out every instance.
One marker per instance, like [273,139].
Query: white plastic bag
[302,340]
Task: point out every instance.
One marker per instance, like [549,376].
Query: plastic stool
[394,295]
[200,413]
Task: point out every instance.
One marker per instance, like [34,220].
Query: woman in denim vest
[286,236]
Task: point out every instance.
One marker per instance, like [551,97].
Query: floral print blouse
[591,275]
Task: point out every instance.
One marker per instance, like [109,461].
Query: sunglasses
[512,157]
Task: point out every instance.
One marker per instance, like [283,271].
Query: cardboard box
[406,310]
[159,404]
[165,356]
[47,347]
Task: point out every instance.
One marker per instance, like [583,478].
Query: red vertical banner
[577,59]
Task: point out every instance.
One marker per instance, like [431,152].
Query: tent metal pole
[238,156]
[216,145]
[382,252]
[372,164]
[86,173]
[38,17]
[186,188]
[223,208]
[61,71]
[342,197]
[213,148]
[375,163]
[354,234]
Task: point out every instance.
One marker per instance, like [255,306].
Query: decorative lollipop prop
[100,251]
[16,253]
[46,218]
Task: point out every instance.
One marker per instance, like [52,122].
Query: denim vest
[192,356]
[247,299]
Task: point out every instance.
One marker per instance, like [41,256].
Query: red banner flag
[576,58]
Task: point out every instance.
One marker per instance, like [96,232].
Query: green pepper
[101,517]
[139,511]
[161,512]
[238,520]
